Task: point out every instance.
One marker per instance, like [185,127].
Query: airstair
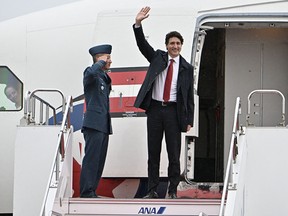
[256,176]
[43,182]
[39,150]
[254,168]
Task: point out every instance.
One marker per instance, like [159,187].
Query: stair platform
[113,207]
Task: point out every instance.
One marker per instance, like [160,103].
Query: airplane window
[11,91]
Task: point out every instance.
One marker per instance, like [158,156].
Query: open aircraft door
[199,38]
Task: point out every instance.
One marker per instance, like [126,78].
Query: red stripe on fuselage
[124,76]
[123,105]
[127,78]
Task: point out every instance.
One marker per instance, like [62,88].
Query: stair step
[113,207]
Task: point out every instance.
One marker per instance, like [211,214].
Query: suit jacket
[158,62]
[97,87]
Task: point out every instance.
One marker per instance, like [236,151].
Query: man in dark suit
[170,113]
[97,120]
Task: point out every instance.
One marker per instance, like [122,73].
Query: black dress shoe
[172,196]
[151,195]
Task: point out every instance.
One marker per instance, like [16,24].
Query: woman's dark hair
[173,34]
[14,85]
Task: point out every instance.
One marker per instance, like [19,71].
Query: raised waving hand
[143,14]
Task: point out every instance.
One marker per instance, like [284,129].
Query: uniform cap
[100,49]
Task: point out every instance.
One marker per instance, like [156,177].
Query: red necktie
[167,86]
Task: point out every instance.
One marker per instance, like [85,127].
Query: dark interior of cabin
[209,146]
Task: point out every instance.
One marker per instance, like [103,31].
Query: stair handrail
[65,125]
[231,157]
[265,91]
[29,106]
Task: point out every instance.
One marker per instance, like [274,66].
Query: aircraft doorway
[209,146]
[234,62]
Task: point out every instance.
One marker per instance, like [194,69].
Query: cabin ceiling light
[272,25]
[226,25]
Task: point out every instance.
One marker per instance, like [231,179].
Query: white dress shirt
[158,88]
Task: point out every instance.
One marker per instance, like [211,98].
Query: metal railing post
[230,157]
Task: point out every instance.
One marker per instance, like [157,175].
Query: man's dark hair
[173,34]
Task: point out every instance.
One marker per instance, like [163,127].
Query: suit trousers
[160,120]
[96,144]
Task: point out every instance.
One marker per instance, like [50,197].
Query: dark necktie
[167,85]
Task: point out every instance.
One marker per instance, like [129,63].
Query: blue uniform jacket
[97,87]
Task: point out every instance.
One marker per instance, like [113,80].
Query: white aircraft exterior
[235,47]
